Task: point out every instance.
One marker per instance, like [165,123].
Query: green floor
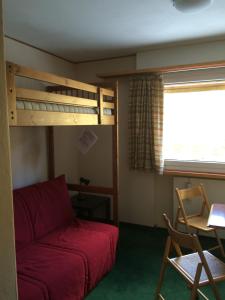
[137,269]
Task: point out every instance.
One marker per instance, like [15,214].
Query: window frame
[190,168]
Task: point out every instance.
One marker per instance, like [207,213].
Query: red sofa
[59,257]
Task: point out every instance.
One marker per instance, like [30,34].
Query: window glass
[194,126]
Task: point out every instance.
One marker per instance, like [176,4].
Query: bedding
[40,106]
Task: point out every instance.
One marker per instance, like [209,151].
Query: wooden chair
[199,220]
[199,269]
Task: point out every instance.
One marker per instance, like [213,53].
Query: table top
[217,216]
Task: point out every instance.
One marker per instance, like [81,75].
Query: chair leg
[163,268]
[211,280]
[161,276]
[219,243]
[194,292]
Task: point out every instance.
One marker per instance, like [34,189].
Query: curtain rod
[165,70]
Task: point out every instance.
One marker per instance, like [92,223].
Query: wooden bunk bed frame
[60,92]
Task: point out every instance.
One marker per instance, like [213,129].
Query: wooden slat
[108,120]
[216,176]
[108,105]
[195,87]
[40,96]
[51,78]
[8,276]
[107,92]
[190,193]
[45,118]
[11,92]
[90,189]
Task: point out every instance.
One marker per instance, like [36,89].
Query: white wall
[28,145]
[66,155]
[87,71]
[181,55]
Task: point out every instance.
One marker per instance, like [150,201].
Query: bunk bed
[87,249]
[64,102]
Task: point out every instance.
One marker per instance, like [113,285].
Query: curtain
[146,123]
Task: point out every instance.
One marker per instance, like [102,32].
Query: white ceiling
[80,30]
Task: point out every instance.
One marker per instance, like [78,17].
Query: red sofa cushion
[31,289]
[62,273]
[96,245]
[53,207]
[111,231]
[23,226]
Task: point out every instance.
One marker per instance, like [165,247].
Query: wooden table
[217,216]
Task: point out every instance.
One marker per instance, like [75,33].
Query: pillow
[54,208]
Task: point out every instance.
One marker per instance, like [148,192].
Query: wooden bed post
[115,158]
[51,152]
[100,104]
[8,279]
[11,93]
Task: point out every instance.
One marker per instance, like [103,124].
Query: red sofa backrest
[46,207]
[24,233]
[54,209]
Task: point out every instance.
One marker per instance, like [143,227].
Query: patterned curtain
[146,123]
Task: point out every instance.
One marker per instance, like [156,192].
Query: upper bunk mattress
[40,106]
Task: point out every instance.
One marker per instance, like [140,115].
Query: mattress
[40,106]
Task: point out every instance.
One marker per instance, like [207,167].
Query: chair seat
[197,222]
[187,264]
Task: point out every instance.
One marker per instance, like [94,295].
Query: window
[194,127]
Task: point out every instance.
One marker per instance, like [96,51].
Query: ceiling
[81,30]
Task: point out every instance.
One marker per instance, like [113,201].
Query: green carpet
[136,271]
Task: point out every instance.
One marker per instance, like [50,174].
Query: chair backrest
[182,240]
[198,193]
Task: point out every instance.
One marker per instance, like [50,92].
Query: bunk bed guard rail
[56,100]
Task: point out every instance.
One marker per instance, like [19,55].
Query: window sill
[180,173]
